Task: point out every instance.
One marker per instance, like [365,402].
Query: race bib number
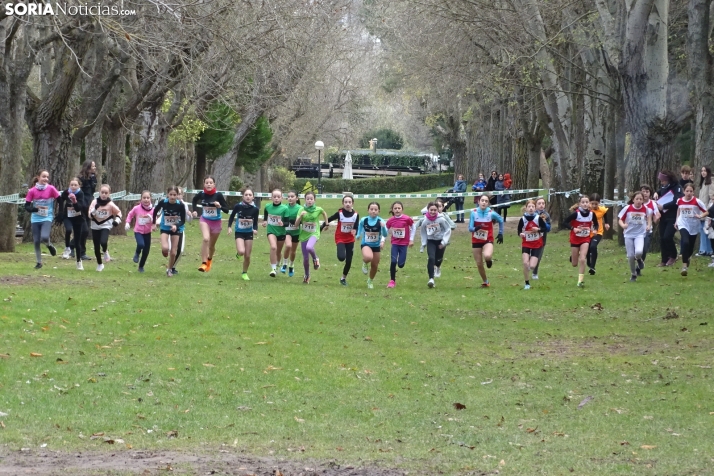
[71,213]
[210,212]
[346,227]
[291,227]
[102,214]
[43,211]
[171,220]
[371,236]
[637,218]
[532,236]
[245,223]
[582,232]
[399,233]
[309,227]
[686,212]
[275,220]
[481,235]
[143,221]
[432,229]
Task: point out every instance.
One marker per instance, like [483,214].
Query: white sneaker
[431,283]
[79,266]
[711,265]
[107,258]
[100,267]
[66,252]
[535,276]
[437,271]
[365,269]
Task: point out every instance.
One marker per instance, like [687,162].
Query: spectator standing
[459,187]
[705,191]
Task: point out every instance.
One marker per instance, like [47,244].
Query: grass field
[277,368]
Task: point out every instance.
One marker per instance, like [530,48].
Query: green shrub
[236,184]
[281,178]
[399,184]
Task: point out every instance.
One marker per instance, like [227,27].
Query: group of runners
[292,223]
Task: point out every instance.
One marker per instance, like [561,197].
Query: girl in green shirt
[274,217]
[292,233]
[309,223]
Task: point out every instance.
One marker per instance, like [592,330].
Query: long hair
[84,172]
[36,178]
[708,179]
[670,176]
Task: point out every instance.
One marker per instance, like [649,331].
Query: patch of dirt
[146,463]
[588,348]
[42,279]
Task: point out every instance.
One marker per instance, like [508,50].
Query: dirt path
[147,463]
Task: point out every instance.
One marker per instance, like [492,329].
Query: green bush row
[404,160]
[399,184]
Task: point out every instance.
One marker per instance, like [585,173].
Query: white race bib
[275,220]
[481,235]
[143,221]
[582,232]
[171,220]
[371,236]
[637,218]
[686,212]
[43,211]
[346,227]
[309,227]
[399,233]
[102,214]
[71,213]
[432,229]
[291,227]
[245,223]
[532,235]
[210,212]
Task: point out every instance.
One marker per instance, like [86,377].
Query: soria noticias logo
[58,8]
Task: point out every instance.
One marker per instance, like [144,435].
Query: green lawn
[318,371]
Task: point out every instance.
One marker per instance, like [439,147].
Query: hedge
[398,184]
[403,160]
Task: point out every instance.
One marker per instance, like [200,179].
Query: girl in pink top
[401,229]
[144,225]
[40,201]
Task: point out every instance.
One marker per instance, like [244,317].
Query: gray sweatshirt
[438,229]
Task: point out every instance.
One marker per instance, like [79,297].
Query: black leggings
[76,226]
[503,212]
[179,247]
[687,242]
[436,256]
[591,257]
[143,246]
[344,253]
[666,235]
[85,233]
[100,238]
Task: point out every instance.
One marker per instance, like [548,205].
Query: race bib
[309,227]
[71,213]
[637,218]
[481,235]
[291,227]
[245,223]
[43,211]
[686,212]
[346,227]
[102,214]
[171,220]
[210,212]
[275,220]
[399,233]
[143,221]
[371,236]
[432,229]
[583,232]
[532,235]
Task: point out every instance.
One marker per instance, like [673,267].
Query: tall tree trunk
[522,158]
[10,166]
[200,171]
[224,165]
[116,164]
[700,62]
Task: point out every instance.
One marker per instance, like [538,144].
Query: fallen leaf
[531,430]
[208,365]
[624,443]
[4,356]
[597,306]
[35,354]
[96,435]
[299,420]
[368,338]
[172,434]
[585,401]
[459,406]
[648,447]
[502,463]
[2,424]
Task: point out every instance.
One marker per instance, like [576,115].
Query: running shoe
[169,274]
[306,279]
[291,272]
[526,287]
[209,262]
[391,284]
[431,283]
[343,281]
[66,252]
[369,284]
[174,271]
[670,262]
[592,271]
[53,250]
[489,263]
[711,265]
[640,264]
[71,252]
[136,257]
[316,263]
[100,267]
[107,258]
[637,270]
[273,273]
[283,268]
[684,271]
[535,276]
[581,284]
[203,268]
[86,258]
[633,278]
[486,285]
[365,269]
[437,271]
[38,266]
[244,277]
[80,267]
[141,270]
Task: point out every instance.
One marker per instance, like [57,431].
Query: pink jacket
[143,218]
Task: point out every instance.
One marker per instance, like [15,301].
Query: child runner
[435,234]
[402,231]
[292,233]
[540,210]
[273,217]
[88,184]
[372,232]
[212,204]
[636,220]
[581,223]
[309,223]
[245,214]
[440,206]
[40,201]
[347,224]
[182,242]
[105,215]
[142,213]
[596,236]
[71,203]
[173,219]
[481,228]
[531,228]
[646,194]
[690,210]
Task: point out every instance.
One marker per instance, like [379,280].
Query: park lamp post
[319,146]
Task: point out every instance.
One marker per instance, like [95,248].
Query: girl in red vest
[581,223]
[531,227]
[347,224]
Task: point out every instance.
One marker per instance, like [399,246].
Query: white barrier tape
[390,195]
[15,197]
